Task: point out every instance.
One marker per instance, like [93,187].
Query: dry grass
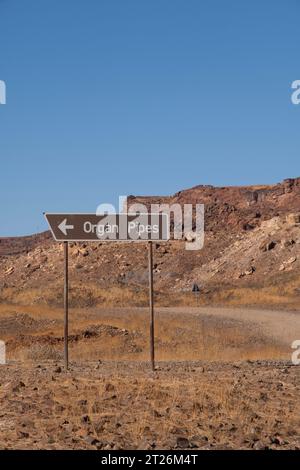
[38,352]
[273,296]
[122,405]
[263,297]
[79,296]
[177,337]
[132,409]
[280,292]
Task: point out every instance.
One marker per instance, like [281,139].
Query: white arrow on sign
[64,227]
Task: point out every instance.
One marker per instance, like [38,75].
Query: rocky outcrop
[17,245]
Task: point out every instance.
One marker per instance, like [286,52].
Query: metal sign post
[151,305]
[66,304]
[109,227]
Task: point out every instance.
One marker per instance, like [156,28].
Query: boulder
[267,245]
[248,272]
[9,271]
[293,219]
[287,242]
[291,260]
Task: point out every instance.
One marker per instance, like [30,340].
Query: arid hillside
[251,255]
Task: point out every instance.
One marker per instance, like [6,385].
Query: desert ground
[223,380]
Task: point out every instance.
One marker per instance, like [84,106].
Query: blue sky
[109,97]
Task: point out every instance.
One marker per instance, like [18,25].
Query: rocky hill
[251,255]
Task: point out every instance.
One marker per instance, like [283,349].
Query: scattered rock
[34,268]
[293,219]
[263,396]
[17,387]
[285,243]
[86,419]
[247,226]
[82,404]
[84,253]
[291,260]
[182,442]
[109,387]
[22,434]
[277,440]
[247,272]
[91,440]
[267,245]
[9,271]
[259,445]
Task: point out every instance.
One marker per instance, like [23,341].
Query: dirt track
[282,326]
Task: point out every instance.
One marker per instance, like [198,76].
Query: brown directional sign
[109,227]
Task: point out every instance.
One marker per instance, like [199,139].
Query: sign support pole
[151,304]
[80,227]
[66,304]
